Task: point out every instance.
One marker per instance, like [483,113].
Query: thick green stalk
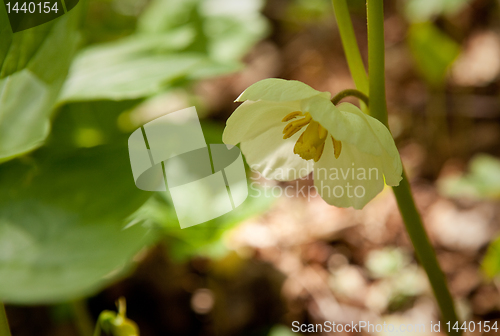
[353,56]
[411,217]
[4,323]
[425,252]
[376,60]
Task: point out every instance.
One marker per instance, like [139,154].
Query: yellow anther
[322,132]
[310,145]
[337,147]
[291,116]
[319,152]
[294,126]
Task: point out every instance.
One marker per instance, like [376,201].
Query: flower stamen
[294,126]
[311,143]
[291,116]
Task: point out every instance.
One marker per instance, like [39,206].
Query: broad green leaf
[62,223]
[482,181]
[130,68]
[33,64]
[176,42]
[433,51]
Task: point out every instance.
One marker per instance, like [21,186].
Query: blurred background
[74,89]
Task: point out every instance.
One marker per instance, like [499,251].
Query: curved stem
[411,217]
[4,323]
[350,92]
[354,60]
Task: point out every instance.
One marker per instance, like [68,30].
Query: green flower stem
[353,56]
[4,323]
[376,60]
[425,252]
[411,217]
[350,92]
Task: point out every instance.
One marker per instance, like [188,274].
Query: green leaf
[33,64]
[61,223]
[433,51]
[482,181]
[130,68]
[175,41]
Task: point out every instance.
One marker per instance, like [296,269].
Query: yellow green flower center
[311,142]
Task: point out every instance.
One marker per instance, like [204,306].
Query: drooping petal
[392,166]
[353,179]
[280,90]
[350,125]
[253,118]
[273,157]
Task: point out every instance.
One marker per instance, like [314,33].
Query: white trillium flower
[287,130]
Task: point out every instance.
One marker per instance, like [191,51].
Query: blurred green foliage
[433,52]
[203,240]
[491,261]
[71,218]
[482,181]
[175,42]
[424,10]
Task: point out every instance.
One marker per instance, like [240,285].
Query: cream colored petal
[345,126]
[391,160]
[273,157]
[349,124]
[253,118]
[276,89]
[353,179]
